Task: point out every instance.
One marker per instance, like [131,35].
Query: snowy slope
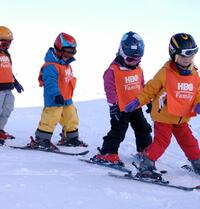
[36,180]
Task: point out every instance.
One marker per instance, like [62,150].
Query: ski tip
[72,154]
[84,153]
[85,160]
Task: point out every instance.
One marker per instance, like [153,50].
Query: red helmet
[64,40]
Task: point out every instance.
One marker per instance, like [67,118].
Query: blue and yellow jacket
[56,76]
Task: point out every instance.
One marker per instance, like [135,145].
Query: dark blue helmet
[131,45]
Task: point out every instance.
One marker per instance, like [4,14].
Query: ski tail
[51,151]
[162,182]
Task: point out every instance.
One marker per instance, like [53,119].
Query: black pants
[116,135]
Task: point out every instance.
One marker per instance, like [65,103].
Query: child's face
[184,61]
[68,53]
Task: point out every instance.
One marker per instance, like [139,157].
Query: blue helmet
[131,45]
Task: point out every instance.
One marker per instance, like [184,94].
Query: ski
[50,151]
[108,165]
[161,182]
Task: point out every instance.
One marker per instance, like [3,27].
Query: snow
[37,180]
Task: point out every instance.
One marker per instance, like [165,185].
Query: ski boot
[137,158]
[39,143]
[71,140]
[147,169]
[4,135]
[110,158]
[196,165]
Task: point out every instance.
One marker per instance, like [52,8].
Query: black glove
[115,113]
[59,99]
[149,107]
[18,86]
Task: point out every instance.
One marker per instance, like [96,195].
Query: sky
[98,27]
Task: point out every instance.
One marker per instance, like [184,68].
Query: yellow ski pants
[67,116]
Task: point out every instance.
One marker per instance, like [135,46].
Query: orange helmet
[5,33]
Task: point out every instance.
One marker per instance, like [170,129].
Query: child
[56,77]
[175,91]
[123,81]
[7,82]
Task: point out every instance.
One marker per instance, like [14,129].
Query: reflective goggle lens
[131,59]
[189,52]
[4,44]
[69,50]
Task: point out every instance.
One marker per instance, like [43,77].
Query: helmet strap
[184,70]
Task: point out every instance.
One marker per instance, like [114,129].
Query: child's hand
[132,105]
[59,99]
[197,108]
[18,86]
[115,113]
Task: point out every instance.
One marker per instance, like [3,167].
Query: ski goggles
[5,44]
[133,59]
[69,50]
[129,59]
[189,52]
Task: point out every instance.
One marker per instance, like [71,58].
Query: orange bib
[66,80]
[128,84]
[6,75]
[181,93]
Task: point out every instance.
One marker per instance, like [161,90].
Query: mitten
[115,113]
[59,99]
[197,108]
[132,105]
[18,86]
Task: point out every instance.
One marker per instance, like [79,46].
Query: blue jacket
[50,79]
